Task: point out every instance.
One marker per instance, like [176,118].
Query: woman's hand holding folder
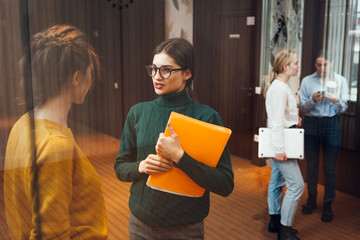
[169,146]
[168,149]
[154,164]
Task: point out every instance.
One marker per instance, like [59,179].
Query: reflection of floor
[242,215]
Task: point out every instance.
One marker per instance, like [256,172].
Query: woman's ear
[285,67]
[75,79]
[188,74]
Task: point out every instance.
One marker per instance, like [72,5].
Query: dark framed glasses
[164,71]
[321,64]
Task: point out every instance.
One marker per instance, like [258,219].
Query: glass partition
[341,36]
[281,28]
[352,48]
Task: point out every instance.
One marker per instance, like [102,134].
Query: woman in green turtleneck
[156,214]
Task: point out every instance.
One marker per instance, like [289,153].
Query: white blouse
[282,112]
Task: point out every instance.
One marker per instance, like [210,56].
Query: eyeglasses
[321,64]
[164,71]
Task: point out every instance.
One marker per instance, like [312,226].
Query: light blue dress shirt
[325,108]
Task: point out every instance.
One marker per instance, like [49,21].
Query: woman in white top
[282,113]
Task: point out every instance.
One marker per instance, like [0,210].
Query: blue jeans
[326,132]
[285,172]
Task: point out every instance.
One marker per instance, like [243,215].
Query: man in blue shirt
[323,96]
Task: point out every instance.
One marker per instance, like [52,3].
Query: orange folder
[203,141]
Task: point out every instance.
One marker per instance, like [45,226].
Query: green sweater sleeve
[126,164]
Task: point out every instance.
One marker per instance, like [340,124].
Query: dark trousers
[141,231]
[323,132]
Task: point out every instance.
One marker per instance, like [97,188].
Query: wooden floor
[242,215]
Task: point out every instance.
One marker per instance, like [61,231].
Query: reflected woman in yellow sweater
[51,189]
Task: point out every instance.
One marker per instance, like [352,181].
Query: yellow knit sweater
[63,182]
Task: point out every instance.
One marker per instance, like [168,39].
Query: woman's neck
[55,109]
[282,77]
[174,99]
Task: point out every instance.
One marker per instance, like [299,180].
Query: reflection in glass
[51,190]
[341,28]
[282,26]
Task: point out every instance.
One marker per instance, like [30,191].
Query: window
[352,49]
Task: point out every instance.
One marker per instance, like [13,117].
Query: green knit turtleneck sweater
[143,125]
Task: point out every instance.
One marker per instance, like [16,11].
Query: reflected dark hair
[55,55]
[325,53]
[182,51]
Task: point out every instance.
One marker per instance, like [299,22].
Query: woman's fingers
[169,147]
[280,157]
[156,164]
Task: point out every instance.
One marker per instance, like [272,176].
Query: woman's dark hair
[325,53]
[182,52]
[55,55]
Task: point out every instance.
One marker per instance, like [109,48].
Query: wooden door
[235,77]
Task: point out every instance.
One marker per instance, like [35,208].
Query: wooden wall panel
[204,35]
[99,21]
[227,70]
[124,37]
[10,54]
[143,28]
